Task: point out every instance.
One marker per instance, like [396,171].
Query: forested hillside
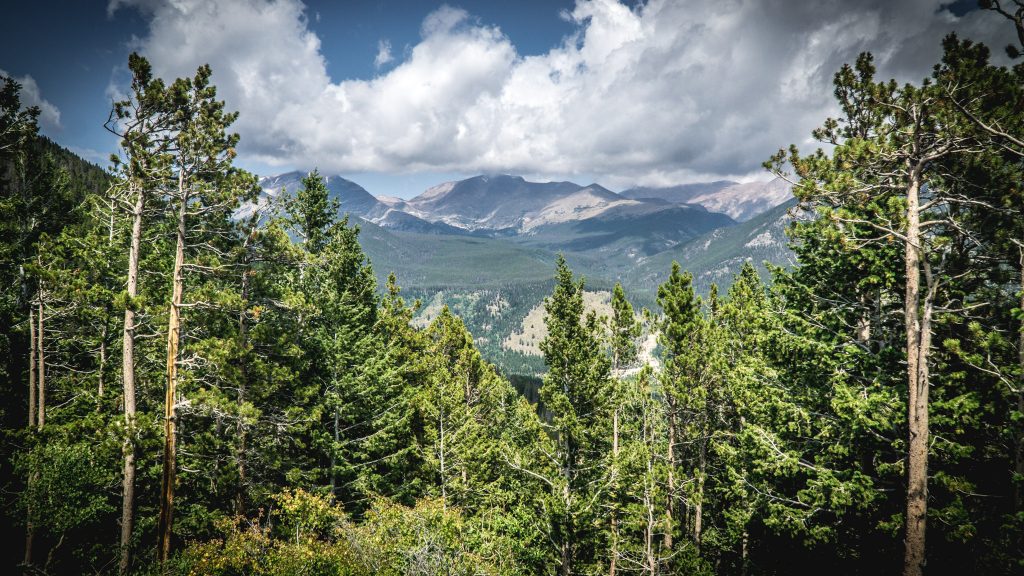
[194,388]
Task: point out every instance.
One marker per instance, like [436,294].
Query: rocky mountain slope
[740,201]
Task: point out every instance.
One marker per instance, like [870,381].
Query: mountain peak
[741,201]
[352,198]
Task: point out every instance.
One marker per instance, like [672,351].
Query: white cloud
[383,54]
[665,92]
[49,114]
[443,20]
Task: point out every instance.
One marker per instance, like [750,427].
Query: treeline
[199,393]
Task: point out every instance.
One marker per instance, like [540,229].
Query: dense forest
[190,392]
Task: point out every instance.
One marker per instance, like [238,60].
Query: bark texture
[128,387]
[918,334]
[166,521]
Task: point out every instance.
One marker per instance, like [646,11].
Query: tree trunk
[335,400]
[242,480]
[864,322]
[30,535]
[243,368]
[651,563]
[467,395]
[30,530]
[565,569]
[671,462]
[128,386]
[173,340]
[744,538]
[334,451]
[698,512]
[918,340]
[569,536]
[1018,459]
[40,361]
[615,471]
[31,367]
[444,481]
[41,369]
[103,357]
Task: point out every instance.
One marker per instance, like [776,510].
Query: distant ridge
[740,201]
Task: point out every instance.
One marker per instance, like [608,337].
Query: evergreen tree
[141,122]
[204,191]
[575,393]
[889,145]
[625,331]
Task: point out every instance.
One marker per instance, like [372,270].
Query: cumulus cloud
[383,53]
[662,92]
[49,115]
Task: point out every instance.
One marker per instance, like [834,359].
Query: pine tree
[681,325]
[888,150]
[575,393]
[141,122]
[204,192]
[625,331]
[644,473]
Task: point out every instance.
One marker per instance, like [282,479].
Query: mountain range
[740,201]
[485,246]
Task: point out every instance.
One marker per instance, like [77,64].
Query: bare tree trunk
[744,538]
[242,479]
[30,529]
[41,370]
[334,451]
[39,361]
[698,512]
[243,333]
[467,395]
[568,540]
[173,340]
[103,357]
[31,367]
[128,385]
[615,472]
[334,447]
[444,480]
[671,459]
[918,340]
[30,536]
[565,569]
[651,560]
[1018,458]
[864,322]
[649,563]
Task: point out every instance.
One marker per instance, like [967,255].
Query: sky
[399,95]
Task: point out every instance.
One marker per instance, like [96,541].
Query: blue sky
[400,95]
[84,50]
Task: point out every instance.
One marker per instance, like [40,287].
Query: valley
[486,246]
